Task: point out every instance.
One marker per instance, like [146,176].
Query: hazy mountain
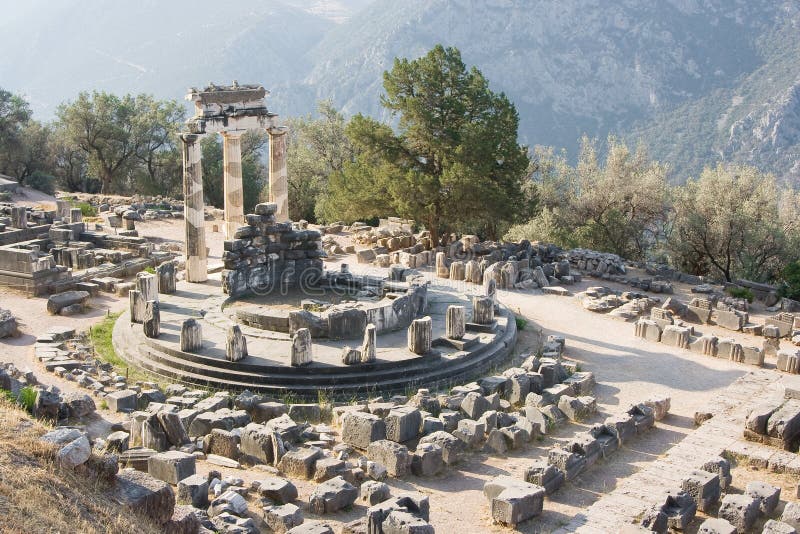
[696,79]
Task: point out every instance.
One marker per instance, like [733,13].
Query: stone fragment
[427,460]
[74,453]
[715,525]
[741,511]
[474,405]
[300,462]
[193,490]
[360,429]
[577,409]
[373,492]
[704,489]
[392,455]
[151,320]
[403,423]
[767,495]
[512,500]
[278,490]
[482,310]
[470,432]
[543,474]
[283,518]
[452,447]
[144,495]
[332,495]
[171,466]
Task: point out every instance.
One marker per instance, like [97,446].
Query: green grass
[740,293]
[150,269]
[87,210]
[100,336]
[521,322]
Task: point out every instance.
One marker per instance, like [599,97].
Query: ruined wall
[266,255]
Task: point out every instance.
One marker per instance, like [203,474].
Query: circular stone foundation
[264,320]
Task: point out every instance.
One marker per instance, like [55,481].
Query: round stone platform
[266,368]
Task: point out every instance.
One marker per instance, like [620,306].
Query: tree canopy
[454,163]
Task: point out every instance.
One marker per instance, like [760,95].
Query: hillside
[38,496]
[697,80]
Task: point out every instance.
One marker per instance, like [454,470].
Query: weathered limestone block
[767,495]
[373,492]
[455,322]
[191,336]
[301,351]
[482,310]
[193,490]
[171,466]
[393,456]
[705,345]
[222,443]
[166,274]
[283,518]
[676,336]
[543,474]
[512,500]
[427,460]
[729,349]
[784,424]
[402,522]
[121,401]
[144,495]
[136,306]
[146,431]
[368,346]
[508,275]
[728,319]
[474,405]
[403,423]
[659,405]
[327,468]
[704,489]
[420,336]
[360,429]
[714,525]
[789,361]
[235,344]
[277,490]
[741,511]
[577,409]
[173,428]
[413,502]
[472,272]
[470,432]
[300,462]
[643,417]
[457,270]
[332,495]
[452,447]
[151,322]
[776,527]
[647,329]
[442,270]
[752,355]
[722,468]
[58,301]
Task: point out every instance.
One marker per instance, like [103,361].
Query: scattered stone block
[427,460]
[741,511]
[360,429]
[403,423]
[791,514]
[704,489]
[193,490]
[171,466]
[767,495]
[715,525]
[474,405]
[470,432]
[327,468]
[390,454]
[121,401]
[373,492]
[577,409]
[512,500]
[332,495]
[144,495]
[452,447]
[283,518]
[659,405]
[300,462]
[278,490]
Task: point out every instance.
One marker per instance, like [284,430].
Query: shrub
[87,210]
[150,269]
[740,293]
[521,322]
[790,281]
[41,181]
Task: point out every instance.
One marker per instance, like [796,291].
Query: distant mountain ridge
[697,80]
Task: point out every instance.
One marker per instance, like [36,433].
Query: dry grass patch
[37,496]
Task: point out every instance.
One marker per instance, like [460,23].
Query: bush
[740,293]
[41,181]
[790,281]
[87,210]
[521,322]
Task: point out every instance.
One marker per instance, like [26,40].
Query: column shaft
[234,194]
[278,178]
[196,255]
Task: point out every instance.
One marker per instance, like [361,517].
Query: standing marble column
[278,177]
[196,256]
[234,194]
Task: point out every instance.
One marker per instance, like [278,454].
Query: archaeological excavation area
[271,375]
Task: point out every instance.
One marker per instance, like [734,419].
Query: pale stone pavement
[644,488]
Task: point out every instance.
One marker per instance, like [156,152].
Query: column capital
[277,131]
[232,134]
[189,138]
